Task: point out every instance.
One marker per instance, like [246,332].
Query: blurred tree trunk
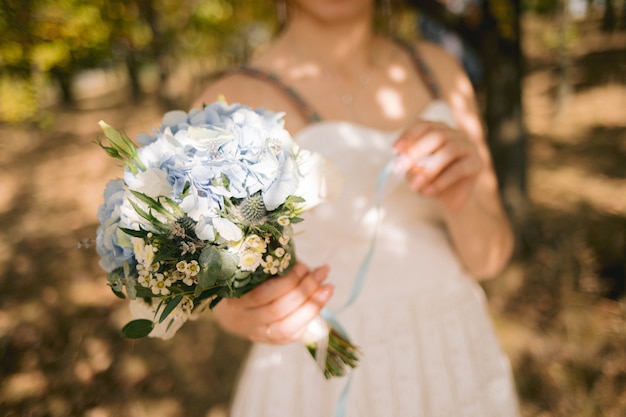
[609,20]
[494,33]
[565,60]
[158,46]
[64,79]
[132,68]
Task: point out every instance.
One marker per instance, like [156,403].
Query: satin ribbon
[361,276]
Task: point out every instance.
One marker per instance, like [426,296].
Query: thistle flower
[252,209]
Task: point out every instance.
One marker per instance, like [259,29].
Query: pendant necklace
[348,97]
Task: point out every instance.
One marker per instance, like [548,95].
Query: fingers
[445,177]
[278,310]
[274,288]
[435,158]
[288,303]
[420,141]
[294,325]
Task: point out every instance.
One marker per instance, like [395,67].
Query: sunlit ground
[560,313]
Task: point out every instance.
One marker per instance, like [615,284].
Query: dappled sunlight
[60,324]
[390,103]
[397,73]
[559,312]
[308,70]
[24,386]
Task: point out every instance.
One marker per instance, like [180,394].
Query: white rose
[151,182]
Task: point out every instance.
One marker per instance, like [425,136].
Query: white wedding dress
[428,346]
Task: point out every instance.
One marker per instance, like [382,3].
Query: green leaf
[229,266]
[137,329]
[215,301]
[292,199]
[142,234]
[204,294]
[118,293]
[154,204]
[148,216]
[171,305]
[210,262]
[295,220]
[271,229]
[151,202]
[205,279]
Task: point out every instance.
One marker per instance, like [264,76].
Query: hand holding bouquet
[204,212]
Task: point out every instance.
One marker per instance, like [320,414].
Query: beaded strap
[305,109]
[423,70]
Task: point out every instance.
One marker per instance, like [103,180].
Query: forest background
[551,81]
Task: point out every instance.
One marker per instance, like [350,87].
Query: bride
[360,99]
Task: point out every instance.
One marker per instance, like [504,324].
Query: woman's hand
[279,310]
[440,162]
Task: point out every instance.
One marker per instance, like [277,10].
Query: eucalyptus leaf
[137,329]
[170,306]
[206,279]
[229,266]
[210,258]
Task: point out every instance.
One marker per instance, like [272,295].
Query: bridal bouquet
[204,212]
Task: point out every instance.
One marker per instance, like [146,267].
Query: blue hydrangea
[112,253]
[218,152]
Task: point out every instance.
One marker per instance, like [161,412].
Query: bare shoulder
[456,88]
[445,68]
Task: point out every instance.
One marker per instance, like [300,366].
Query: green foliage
[542,7]
[137,329]
[47,42]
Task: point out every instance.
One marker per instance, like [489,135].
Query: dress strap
[423,70]
[305,109]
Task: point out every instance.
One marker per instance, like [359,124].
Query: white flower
[284,186]
[250,260]
[193,268]
[145,280]
[181,266]
[320,179]
[177,275]
[228,230]
[284,263]
[196,207]
[152,182]
[283,220]
[270,265]
[279,252]
[144,253]
[255,243]
[204,229]
[190,280]
[284,240]
[160,284]
[206,139]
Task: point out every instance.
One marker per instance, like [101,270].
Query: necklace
[348,97]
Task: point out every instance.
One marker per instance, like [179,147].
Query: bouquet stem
[334,353]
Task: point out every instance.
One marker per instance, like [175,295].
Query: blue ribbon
[359,281]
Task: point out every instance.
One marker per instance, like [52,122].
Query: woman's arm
[453,166]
